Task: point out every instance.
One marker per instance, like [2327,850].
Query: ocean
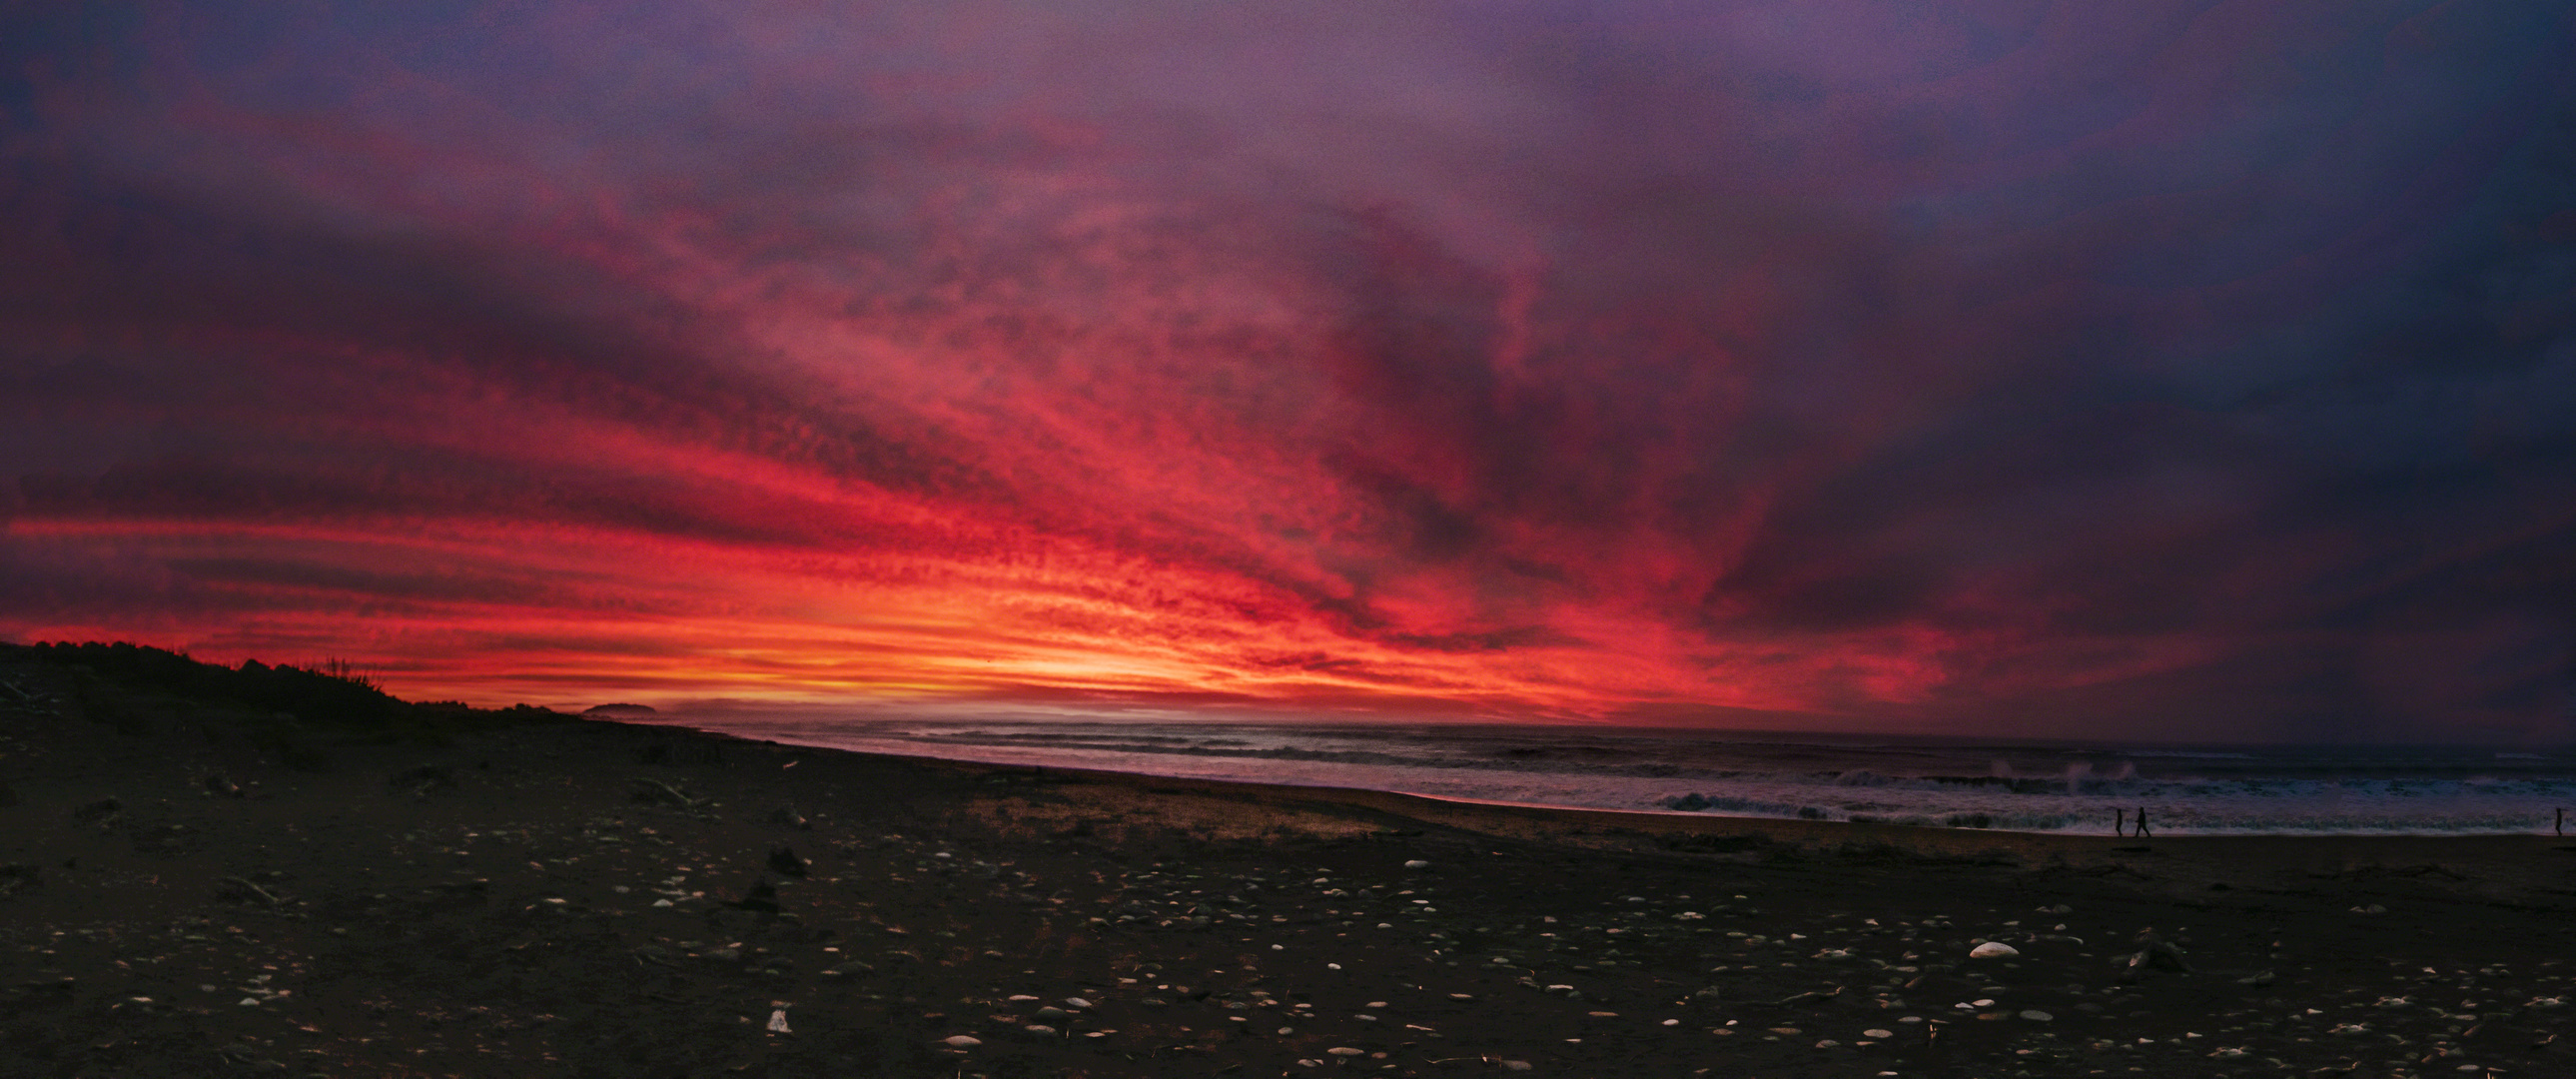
[2023,785]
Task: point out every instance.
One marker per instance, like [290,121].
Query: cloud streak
[2175,369]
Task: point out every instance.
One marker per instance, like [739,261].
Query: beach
[573,897]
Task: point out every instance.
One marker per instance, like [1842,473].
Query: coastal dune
[559,896]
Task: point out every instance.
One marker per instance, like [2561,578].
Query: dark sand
[567,900]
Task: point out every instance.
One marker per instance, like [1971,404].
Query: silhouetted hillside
[290,711]
[309,695]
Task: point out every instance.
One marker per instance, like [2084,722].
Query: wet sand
[590,898]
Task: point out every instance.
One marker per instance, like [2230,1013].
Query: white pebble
[1993,949]
[1877,1032]
[960,1041]
[778,1022]
[1417,864]
[1076,1002]
[1346,1051]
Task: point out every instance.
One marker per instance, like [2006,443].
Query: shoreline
[2499,860]
[2495,867]
[2111,814]
[1813,831]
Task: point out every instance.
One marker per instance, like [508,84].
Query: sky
[2148,369]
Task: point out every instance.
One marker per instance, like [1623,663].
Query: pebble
[1346,1051]
[1417,864]
[2037,1016]
[778,1021]
[1878,1032]
[960,1041]
[1516,1065]
[1993,949]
